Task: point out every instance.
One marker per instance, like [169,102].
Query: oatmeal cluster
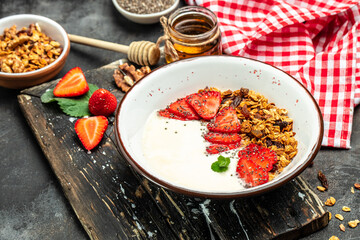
[264,124]
[26,50]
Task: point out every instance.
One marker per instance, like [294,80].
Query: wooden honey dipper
[144,53]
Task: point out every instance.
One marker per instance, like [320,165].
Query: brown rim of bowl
[221,195]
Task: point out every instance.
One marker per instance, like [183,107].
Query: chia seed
[145,6]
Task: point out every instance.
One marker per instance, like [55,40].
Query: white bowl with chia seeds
[145,11]
[184,77]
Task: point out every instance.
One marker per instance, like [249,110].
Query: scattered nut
[334,238]
[342,227]
[131,76]
[330,201]
[321,188]
[339,216]
[353,224]
[352,190]
[330,215]
[346,209]
[323,180]
[357,185]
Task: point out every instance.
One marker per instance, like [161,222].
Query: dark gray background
[32,204]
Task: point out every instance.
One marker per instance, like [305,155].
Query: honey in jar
[193,32]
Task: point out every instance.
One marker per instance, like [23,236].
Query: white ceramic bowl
[145,18]
[178,79]
[51,29]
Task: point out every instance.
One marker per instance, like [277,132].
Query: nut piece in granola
[127,75]
[26,50]
[357,185]
[330,201]
[321,188]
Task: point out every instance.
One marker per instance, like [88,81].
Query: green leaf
[48,96]
[221,165]
[74,107]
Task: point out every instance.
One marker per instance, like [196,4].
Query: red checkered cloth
[316,41]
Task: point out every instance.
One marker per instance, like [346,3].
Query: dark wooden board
[112,201]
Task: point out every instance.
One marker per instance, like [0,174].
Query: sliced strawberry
[225,121]
[73,84]
[183,109]
[205,103]
[260,155]
[166,113]
[252,173]
[218,148]
[222,138]
[91,130]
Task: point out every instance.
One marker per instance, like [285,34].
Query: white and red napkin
[316,41]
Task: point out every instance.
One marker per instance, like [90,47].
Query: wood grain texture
[113,202]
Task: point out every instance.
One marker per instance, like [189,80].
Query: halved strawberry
[252,173]
[225,121]
[205,103]
[222,138]
[166,113]
[73,84]
[183,109]
[91,130]
[218,148]
[260,155]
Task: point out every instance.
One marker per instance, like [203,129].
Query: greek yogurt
[175,152]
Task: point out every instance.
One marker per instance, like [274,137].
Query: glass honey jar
[193,31]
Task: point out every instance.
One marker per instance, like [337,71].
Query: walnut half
[127,75]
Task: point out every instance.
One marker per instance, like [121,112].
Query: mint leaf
[221,165]
[48,96]
[74,107]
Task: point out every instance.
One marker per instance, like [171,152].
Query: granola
[26,50]
[264,124]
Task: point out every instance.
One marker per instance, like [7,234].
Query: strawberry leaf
[74,107]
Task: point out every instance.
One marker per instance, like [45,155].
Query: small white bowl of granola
[219,126]
[145,12]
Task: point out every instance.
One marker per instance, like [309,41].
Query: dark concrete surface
[32,205]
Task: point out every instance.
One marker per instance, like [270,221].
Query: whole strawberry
[102,103]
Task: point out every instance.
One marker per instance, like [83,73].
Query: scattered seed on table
[342,227]
[353,224]
[346,209]
[339,216]
[330,201]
